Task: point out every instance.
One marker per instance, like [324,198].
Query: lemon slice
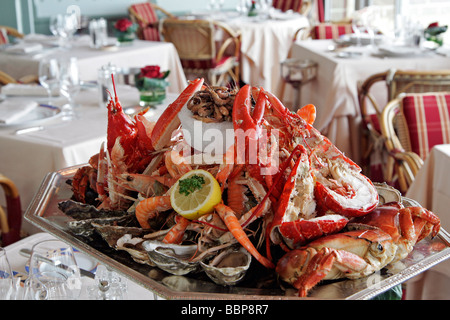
[195,194]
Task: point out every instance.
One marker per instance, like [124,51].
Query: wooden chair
[329,30]
[6,78]
[146,16]
[200,54]
[11,220]
[300,6]
[393,82]
[411,125]
[8,31]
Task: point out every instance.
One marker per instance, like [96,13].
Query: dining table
[340,68]
[139,53]
[30,150]
[431,189]
[265,43]
[129,290]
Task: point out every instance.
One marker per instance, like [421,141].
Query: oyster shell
[129,239]
[228,267]
[172,258]
[81,211]
[387,193]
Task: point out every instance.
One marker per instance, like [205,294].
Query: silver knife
[27,253]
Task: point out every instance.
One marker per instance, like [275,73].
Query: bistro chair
[411,125]
[300,6]
[330,30]
[392,82]
[200,54]
[146,16]
[11,219]
[6,78]
[5,32]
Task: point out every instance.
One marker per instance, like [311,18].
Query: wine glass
[69,82]
[358,26]
[69,27]
[49,76]
[6,276]
[55,26]
[53,272]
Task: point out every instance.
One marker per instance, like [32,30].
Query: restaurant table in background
[265,42]
[431,188]
[18,265]
[27,158]
[334,90]
[137,55]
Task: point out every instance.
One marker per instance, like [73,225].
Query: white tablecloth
[431,188]
[334,91]
[27,158]
[137,55]
[265,44]
[18,263]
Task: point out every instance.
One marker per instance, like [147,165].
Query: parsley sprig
[189,185]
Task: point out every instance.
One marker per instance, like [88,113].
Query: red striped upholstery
[3,36]
[147,13]
[285,5]
[204,64]
[428,119]
[331,31]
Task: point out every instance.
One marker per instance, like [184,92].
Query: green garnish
[189,185]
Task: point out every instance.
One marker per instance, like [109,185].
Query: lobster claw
[169,121]
[295,220]
[247,125]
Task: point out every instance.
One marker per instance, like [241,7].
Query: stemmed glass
[56,25]
[68,28]
[6,276]
[49,76]
[358,26]
[53,272]
[69,86]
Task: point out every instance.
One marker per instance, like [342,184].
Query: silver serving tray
[44,213]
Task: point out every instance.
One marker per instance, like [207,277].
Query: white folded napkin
[18,89]
[13,110]
[24,47]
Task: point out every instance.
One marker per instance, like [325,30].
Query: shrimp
[149,208]
[232,223]
[176,233]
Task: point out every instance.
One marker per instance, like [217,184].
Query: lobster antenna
[114,85]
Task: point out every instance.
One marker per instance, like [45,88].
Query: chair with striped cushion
[11,219]
[373,94]
[411,125]
[300,6]
[8,31]
[328,30]
[145,15]
[208,49]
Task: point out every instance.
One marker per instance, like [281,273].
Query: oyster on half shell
[172,258]
[228,267]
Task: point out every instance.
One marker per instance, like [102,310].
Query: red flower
[151,72]
[433,25]
[123,24]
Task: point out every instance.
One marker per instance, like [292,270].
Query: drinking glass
[69,27]
[55,26]
[358,26]
[6,276]
[49,76]
[69,82]
[53,272]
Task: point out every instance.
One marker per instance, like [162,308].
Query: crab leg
[232,223]
[168,121]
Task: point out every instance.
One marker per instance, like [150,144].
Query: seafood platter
[275,212]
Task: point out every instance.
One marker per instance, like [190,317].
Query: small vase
[151,96]
[125,38]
